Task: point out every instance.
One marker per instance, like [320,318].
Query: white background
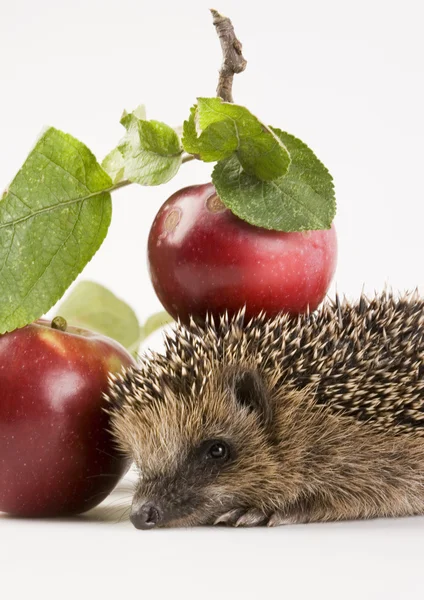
[347,78]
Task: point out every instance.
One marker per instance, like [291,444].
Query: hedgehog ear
[250,391]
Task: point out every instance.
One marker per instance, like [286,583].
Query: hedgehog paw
[252,518]
[280,518]
[230,518]
[240,517]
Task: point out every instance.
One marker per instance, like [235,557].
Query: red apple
[202,258]
[56,455]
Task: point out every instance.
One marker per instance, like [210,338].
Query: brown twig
[233,60]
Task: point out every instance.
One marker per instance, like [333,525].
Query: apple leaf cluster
[56,212]
[263,175]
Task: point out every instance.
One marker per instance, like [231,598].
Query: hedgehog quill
[290,420]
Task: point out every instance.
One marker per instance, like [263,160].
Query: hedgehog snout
[145,515]
[160,501]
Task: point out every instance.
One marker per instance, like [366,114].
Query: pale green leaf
[301,200]
[155,322]
[92,306]
[149,154]
[139,112]
[52,221]
[114,165]
[215,130]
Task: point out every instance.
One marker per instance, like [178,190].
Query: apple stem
[232,57]
[59,323]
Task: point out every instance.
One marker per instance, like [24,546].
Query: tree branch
[233,60]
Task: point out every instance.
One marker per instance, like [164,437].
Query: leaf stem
[120,184]
[125,182]
[232,57]
[187,158]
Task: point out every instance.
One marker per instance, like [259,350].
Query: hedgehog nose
[146,516]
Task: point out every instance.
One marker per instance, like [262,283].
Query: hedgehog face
[200,456]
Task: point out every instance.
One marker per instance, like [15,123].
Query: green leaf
[92,306]
[216,130]
[155,322]
[216,142]
[149,154]
[301,200]
[139,112]
[114,165]
[53,219]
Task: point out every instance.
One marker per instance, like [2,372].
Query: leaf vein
[54,207]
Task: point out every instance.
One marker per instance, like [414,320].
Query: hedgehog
[278,421]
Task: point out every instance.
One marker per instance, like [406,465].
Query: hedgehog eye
[217,450]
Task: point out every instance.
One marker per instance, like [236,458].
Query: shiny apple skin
[56,455]
[203,259]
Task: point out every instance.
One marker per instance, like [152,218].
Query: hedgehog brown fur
[320,417]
